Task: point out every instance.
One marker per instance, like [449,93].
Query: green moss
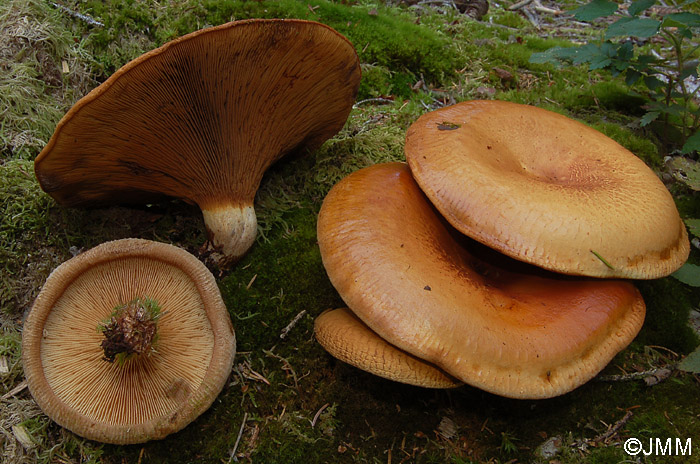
[10,351]
[264,297]
[280,384]
[382,36]
[640,146]
[42,70]
[510,19]
[376,81]
[24,222]
[668,305]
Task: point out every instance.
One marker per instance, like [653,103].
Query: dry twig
[291,325]
[659,373]
[21,386]
[87,19]
[612,430]
[318,414]
[605,436]
[238,439]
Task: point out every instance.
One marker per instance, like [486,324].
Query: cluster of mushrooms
[496,256]
[130,341]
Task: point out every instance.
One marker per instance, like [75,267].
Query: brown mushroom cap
[547,190]
[419,285]
[144,398]
[347,338]
[202,118]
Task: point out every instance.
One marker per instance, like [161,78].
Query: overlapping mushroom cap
[419,285]
[347,338]
[546,189]
[150,395]
[202,118]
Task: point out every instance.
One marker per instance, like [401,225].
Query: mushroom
[489,321]
[202,118]
[546,189]
[162,307]
[347,338]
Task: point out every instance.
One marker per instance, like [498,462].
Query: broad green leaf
[685,170]
[595,9]
[625,51]
[692,143]
[689,274]
[632,76]
[646,61]
[693,226]
[597,56]
[648,118]
[684,32]
[674,109]
[554,55]
[682,20]
[691,363]
[690,69]
[653,82]
[636,27]
[640,5]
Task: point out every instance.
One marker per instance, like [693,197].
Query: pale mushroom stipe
[202,118]
[154,385]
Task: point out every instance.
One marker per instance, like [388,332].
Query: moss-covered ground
[287,400]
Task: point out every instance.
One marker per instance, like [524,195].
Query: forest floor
[287,400]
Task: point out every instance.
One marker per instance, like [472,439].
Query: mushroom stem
[130,330]
[232,230]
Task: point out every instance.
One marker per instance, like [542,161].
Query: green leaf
[636,27]
[692,143]
[674,109]
[684,32]
[691,363]
[648,118]
[693,226]
[689,274]
[554,55]
[689,69]
[595,9]
[653,82]
[625,51]
[632,76]
[682,20]
[640,5]
[685,170]
[645,61]
[597,56]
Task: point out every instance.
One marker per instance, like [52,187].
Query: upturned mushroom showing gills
[492,322]
[546,189]
[128,342]
[202,118]
[347,338]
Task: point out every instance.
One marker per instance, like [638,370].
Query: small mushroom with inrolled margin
[548,190]
[128,342]
[202,118]
[497,324]
[347,338]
